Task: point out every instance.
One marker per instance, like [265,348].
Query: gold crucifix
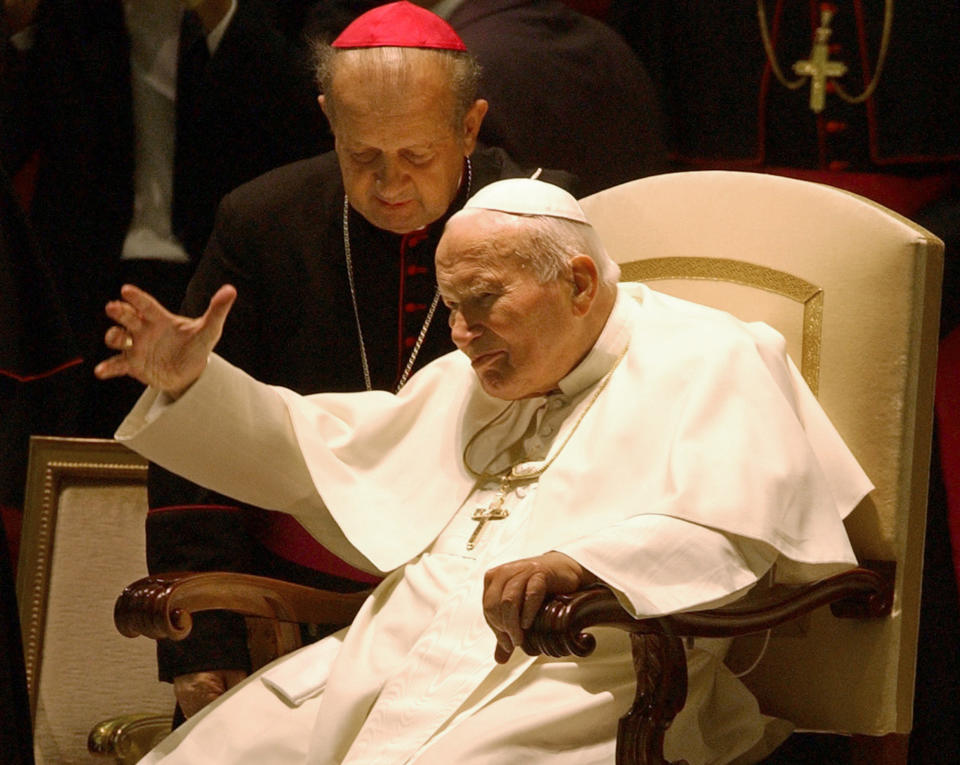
[819,66]
[496,512]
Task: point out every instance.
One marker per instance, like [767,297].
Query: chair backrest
[855,290]
[84,514]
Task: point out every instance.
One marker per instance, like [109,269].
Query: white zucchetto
[526,196]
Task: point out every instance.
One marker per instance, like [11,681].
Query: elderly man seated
[584,432]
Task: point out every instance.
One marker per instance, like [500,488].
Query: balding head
[397,72]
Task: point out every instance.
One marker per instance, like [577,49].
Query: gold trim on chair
[128,738]
[54,464]
[810,296]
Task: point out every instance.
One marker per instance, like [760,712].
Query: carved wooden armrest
[161,606]
[658,655]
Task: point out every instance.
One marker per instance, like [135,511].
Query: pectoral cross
[495,512]
[819,66]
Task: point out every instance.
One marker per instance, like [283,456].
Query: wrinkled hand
[514,592]
[196,690]
[160,348]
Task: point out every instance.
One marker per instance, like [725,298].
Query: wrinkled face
[521,336]
[400,156]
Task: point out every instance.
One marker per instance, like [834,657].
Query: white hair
[546,244]
[551,243]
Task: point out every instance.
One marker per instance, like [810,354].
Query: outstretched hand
[514,592]
[160,348]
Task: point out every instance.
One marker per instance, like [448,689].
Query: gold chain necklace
[520,472]
[818,79]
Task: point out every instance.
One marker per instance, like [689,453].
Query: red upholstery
[948,425]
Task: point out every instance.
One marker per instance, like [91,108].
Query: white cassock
[678,461]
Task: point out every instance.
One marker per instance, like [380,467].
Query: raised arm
[160,348]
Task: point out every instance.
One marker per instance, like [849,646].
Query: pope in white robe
[611,434]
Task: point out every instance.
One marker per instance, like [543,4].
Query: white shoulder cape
[705,419]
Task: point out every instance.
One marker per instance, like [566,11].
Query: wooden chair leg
[661,668]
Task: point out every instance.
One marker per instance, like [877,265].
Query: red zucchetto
[401,25]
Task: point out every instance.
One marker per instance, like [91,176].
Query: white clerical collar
[605,352]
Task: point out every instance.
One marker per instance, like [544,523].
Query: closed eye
[484,299]
[364,157]
[418,158]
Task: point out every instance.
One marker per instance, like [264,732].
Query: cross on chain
[495,512]
[819,66]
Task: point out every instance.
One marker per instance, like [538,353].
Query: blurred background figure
[39,360]
[16,738]
[562,87]
[887,129]
[38,372]
[139,116]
